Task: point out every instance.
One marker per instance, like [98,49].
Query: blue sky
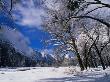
[27,20]
[34,34]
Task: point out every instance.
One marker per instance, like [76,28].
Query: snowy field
[52,74]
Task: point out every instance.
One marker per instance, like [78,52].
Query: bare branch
[94,9]
[99,20]
[11,5]
[104,4]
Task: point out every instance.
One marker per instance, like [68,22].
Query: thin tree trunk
[78,56]
[80,62]
[77,53]
[101,60]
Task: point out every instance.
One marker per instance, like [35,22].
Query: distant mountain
[43,60]
[48,59]
[15,52]
[9,57]
[18,41]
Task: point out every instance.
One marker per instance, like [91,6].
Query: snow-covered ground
[52,74]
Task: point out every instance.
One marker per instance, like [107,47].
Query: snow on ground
[52,74]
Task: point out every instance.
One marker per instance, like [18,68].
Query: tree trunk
[80,62]
[85,61]
[78,57]
[100,57]
[77,53]
[101,60]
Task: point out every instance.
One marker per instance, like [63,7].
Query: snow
[52,74]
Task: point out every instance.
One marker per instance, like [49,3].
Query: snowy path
[51,74]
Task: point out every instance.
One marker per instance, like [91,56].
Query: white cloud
[28,14]
[19,42]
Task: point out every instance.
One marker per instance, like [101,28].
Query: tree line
[82,27]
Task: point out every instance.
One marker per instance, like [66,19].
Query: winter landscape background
[55,40]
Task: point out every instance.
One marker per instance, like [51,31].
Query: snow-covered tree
[65,20]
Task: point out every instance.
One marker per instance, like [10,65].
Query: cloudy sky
[27,20]
[27,17]
[29,13]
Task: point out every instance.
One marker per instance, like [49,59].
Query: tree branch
[104,4]
[11,5]
[94,9]
[99,20]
